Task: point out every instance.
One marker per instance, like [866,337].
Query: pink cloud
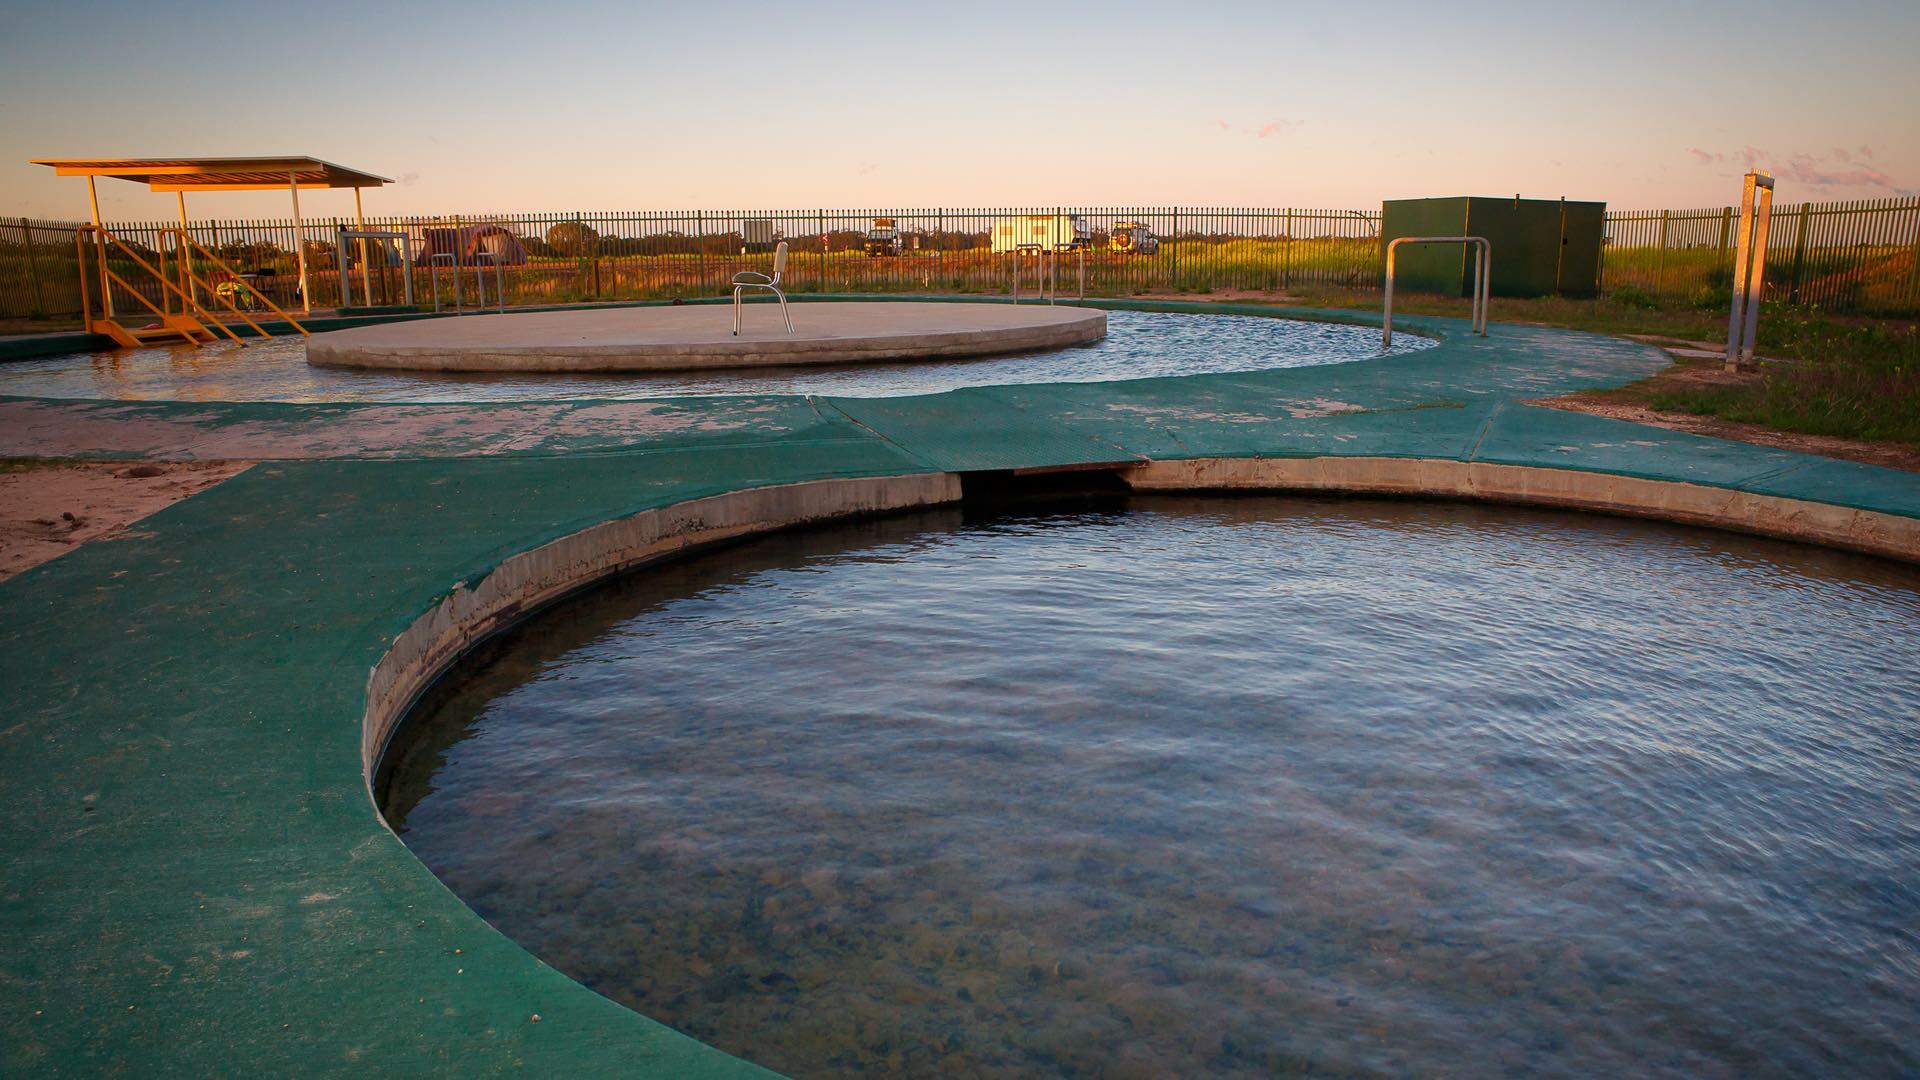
[1276,126]
[1838,168]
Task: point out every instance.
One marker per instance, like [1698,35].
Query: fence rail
[1856,256]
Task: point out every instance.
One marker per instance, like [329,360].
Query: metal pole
[1799,253]
[100,250]
[1660,267]
[406,262]
[1749,269]
[1386,304]
[366,270]
[189,286]
[459,243]
[1486,289]
[300,243]
[1757,282]
[1286,264]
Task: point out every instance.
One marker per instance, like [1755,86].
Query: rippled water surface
[1138,345]
[1213,786]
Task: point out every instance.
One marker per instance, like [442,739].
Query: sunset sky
[521,106]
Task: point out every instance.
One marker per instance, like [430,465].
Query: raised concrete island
[692,337]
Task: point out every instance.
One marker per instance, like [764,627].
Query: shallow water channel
[1139,344]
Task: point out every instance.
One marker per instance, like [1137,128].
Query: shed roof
[218,173]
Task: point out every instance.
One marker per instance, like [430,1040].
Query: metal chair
[749,279]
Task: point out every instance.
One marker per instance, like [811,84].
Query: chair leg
[783,309]
[736,311]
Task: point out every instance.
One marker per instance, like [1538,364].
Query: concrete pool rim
[528,582]
[1488,447]
[662,338]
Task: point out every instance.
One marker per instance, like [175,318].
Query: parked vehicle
[1054,232]
[1132,238]
[758,235]
[883,239]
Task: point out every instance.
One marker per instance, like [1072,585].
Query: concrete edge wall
[525,582]
[531,579]
[1059,333]
[1867,531]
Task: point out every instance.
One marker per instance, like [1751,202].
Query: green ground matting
[194,877]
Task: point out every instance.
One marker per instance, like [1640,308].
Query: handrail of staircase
[235,275]
[186,301]
[230,305]
[142,297]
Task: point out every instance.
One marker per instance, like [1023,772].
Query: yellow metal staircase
[193,323]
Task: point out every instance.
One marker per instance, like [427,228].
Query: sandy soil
[50,508]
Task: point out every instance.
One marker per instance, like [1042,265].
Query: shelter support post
[186,252]
[366,271]
[300,244]
[100,250]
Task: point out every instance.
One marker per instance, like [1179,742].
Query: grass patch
[1851,380]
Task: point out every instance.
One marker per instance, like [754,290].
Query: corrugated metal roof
[218,173]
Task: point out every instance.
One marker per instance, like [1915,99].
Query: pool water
[1138,345]
[1224,786]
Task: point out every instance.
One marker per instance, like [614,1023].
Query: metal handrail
[165,287]
[188,304]
[1039,252]
[1080,260]
[242,282]
[434,262]
[1482,272]
[366,281]
[499,281]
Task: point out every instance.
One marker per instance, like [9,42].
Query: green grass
[1846,379]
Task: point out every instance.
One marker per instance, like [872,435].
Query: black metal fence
[1861,257]
[1856,257]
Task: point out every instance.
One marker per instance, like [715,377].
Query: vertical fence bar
[33,266]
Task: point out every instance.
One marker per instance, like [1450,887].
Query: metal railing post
[499,281]
[1749,269]
[33,268]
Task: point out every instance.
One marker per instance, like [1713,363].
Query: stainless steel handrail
[1482,272]
[499,281]
[745,280]
[1039,253]
[434,262]
[366,282]
[1080,259]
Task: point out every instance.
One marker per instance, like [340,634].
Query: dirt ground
[48,508]
[1697,363]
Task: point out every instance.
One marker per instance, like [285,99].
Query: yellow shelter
[181,175]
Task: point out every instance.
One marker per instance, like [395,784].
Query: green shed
[1540,246]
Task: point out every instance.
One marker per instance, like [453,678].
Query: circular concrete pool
[1211,785]
[1138,345]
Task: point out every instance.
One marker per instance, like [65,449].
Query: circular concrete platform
[698,336]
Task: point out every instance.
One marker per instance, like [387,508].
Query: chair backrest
[779,260]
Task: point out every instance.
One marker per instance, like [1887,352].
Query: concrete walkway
[195,877]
